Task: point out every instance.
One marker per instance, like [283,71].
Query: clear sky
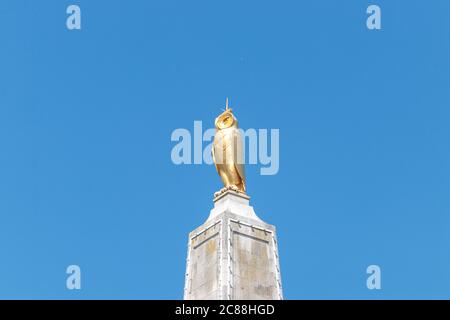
[86,117]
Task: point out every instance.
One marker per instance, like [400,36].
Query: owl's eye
[226,121]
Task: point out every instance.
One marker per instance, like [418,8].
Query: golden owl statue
[228,153]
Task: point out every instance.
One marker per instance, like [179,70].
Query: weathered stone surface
[234,255]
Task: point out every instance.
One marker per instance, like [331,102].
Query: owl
[227,151]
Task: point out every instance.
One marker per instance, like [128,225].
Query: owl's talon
[232,187]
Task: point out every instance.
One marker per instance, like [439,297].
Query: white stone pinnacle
[233,255]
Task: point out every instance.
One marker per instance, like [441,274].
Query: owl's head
[226,120]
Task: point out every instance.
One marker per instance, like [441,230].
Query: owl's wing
[214,158]
[241,171]
[239,161]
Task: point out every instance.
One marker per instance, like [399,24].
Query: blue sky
[86,116]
